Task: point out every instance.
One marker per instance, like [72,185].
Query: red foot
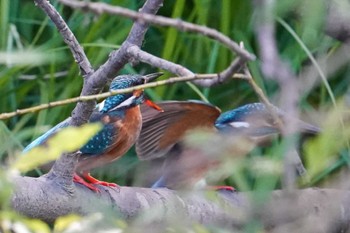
[227,188]
[93,180]
[78,179]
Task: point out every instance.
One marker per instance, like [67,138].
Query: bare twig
[145,57]
[99,8]
[68,36]
[40,107]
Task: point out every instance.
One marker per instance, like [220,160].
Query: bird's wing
[43,138]
[162,130]
[102,141]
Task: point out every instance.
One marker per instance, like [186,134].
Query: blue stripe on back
[42,139]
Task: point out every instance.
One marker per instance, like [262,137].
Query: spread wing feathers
[42,139]
[162,130]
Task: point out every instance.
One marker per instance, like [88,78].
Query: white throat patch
[100,105]
[125,103]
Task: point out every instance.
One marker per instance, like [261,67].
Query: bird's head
[128,100]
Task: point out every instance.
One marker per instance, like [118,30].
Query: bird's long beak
[150,77]
[153,105]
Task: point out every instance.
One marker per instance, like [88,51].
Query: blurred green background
[37,67]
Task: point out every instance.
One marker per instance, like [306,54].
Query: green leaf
[67,140]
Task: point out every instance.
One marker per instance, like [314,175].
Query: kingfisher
[162,136]
[121,119]
[256,121]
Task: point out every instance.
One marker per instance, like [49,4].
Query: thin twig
[99,8]
[107,94]
[174,68]
[68,36]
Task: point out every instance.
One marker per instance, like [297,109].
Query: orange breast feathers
[128,131]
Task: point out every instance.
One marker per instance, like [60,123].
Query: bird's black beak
[150,77]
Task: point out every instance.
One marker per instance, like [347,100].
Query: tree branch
[145,57]
[148,58]
[99,8]
[68,37]
[42,198]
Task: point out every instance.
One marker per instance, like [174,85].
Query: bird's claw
[93,181]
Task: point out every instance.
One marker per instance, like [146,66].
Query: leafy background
[37,67]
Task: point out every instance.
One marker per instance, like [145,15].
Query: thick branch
[44,199]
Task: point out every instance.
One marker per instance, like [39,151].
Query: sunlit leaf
[62,223]
[37,225]
[67,140]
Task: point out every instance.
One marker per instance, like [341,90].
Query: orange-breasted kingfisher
[121,118]
[162,136]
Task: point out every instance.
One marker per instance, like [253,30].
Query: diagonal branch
[100,8]
[68,37]
[136,52]
[148,58]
